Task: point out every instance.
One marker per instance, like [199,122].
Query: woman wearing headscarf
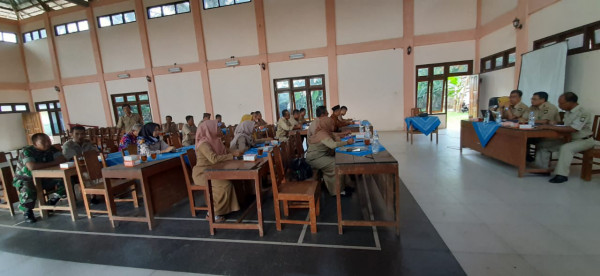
[130,137]
[246,117]
[149,140]
[209,151]
[321,152]
[243,138]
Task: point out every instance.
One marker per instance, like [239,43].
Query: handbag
[300,170]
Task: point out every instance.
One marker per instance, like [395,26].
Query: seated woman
[209,151]
[320,154]
[149,140]
[130,137]
[243,138]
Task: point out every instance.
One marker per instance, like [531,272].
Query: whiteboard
[544,70]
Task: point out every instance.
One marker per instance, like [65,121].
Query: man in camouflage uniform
[578,122]
[41,155]
[544,112]
[515,108]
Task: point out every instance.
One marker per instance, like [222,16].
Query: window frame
[308,88]
[589,38]
[166,4]
[219,6]
[111,19]
[3,40]
[431,77]
[14,108]
[67,29]
[56,111]
[38,31]
[137,103]
[505,63]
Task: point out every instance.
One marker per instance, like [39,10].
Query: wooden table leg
[586,165]
[148,202]
[397,201]
[40,197]
[70,197]
[338,188]
[211,208]
[258,205]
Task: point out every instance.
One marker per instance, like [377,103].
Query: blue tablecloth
[116,158]
[485,131]
[368,149]
[423,124]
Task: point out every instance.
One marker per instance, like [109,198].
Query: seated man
[258,119]
[78,144]
[169,127]
[336,118]
[343,111]
[41,155]
[545,112]
[219,119]
[302,117]
[284,126]
[205,117]
[189,131]
[578,122]
[321,112]
[515,109]
[294,120]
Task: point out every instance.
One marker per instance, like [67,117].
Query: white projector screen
[544,70]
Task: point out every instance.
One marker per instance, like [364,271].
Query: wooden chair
[175,141]
[189,181]
[180,126]
[271,131]
[296,148]
[89,171]
[308,192]
[587,168]
[415,112]
[131,150]
[9,193]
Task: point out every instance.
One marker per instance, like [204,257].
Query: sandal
[218,219]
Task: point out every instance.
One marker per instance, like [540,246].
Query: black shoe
[558,179]
[53,201]
[348,191]
[30,217]
[530,158]
[94,200]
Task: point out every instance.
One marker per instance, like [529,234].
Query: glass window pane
[422,88]
[241,1]
[463,68]
[43,33]
[499,61]
[42,107]
[117,19]
[6,108]
[57,105]
[104,21]
[283,84]
[46,122]
[300,100]
[438,70]
[131,98]
[35,35]
[168,10]
[575,41]
[134,108]
[143,97]
[10,37]
[20,107]
[437,97]
[488,64]
[1,37]
[62,122]
[27,37]
[61,30]
[316,81]
[120,111]
[54,121]
[119,99]
[129,17]
[50,106]
[597,36]
[72,27]
[283,101]
[512,57]
[226,2]
[209,4]
[146,113]
[299,83]
[422,72]
[316,100]
[183,7]
[83,25]
[155,12]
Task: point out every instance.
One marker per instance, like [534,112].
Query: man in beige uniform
[295,119]
[129,119]
[516,108]
[544,111]
[78,144]
[284,126]
[578,122]
[189,131]
[170,127]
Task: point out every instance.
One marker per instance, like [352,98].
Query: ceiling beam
[79,3]
[15,8]
[44,6]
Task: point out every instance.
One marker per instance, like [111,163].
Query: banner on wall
[544,70]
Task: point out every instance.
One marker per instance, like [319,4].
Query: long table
[508,145]
[116,158]
[55,172]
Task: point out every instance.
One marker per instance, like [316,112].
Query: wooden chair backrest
[175,141]
[596,128]
[295,145]
[130,150]
[2,157]
[284,148]
[91,166]
[415,111]
[187,169]
[276,168]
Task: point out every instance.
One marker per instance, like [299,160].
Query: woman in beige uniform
[242,139]
[209,151]
[321,152]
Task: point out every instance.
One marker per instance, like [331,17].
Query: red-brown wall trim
[370,46]
[408,59]
[13,86]
[99,67]
[250,60]
[56,70]
[334,97]
[196,6]
[259,11]
[447,37]
[42,84]
[308,53]
[137,73]
[188,67]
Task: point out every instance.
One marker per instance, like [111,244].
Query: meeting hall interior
[299,137]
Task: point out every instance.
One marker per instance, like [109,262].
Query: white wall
[582,78]
[74,51]
[236,91]
[495,84]
[230,31]
[12,135]
[180,95]
[124,86]
[445,52]
[438,16]
[361,21]
[500,40]
[84,103]
[491,9]
[371,86]
[11,66]
[44,95]
[300,27]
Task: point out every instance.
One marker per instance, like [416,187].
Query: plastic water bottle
[498,117]
[361,128]
[531,121]
[486,117]
[375,143]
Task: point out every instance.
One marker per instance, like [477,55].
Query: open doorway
[462,99]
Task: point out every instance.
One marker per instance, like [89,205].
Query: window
[8,37]
[168,9]
[52,120]
[73,27]
[116,19]
[300,92]
[432,89]
[14,108]
[34,35]
[579,40]
[211,4]
[138,101]
[499,61]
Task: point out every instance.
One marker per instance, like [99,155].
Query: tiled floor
[496,223]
